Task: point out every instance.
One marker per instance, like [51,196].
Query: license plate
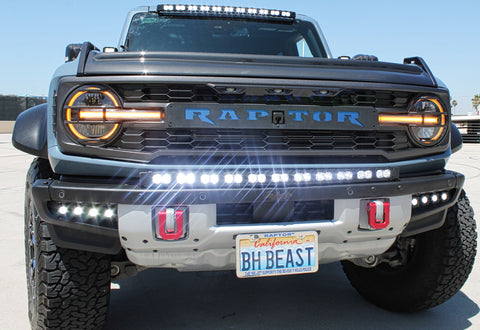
[274,254]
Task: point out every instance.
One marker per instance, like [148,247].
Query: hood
[254,66]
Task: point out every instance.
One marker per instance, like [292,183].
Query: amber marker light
[409,120]
[120,115]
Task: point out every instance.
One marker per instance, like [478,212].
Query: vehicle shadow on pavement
[167,299]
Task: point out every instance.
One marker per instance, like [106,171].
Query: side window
[303,49]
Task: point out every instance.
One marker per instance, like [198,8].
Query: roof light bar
[225,11]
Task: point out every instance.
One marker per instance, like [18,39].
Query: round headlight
[91,99]
[432,128]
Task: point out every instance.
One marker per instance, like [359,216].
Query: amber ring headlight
[94,114]
[426,120]
[87,99]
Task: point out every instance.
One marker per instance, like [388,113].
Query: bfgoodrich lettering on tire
[436,267]
[67,289]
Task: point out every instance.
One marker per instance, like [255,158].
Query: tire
[437,265]
[67,289]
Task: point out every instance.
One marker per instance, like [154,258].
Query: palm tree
[454,104]
[476,102]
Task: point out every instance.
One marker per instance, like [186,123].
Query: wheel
[434,265]
[67,289]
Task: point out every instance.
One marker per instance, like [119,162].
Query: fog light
[108,213]
[444,196]
[434,198]
[424,199]
[78,210]
[63,210]
[415,201]
[93,212]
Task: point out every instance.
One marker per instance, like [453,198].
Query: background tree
[454,104]
[476,102]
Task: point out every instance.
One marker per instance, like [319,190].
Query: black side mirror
[72,51]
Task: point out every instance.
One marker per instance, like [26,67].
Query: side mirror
[72,51]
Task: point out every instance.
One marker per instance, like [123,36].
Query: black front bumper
[104,239]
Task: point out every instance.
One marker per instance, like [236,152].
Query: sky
[445,33]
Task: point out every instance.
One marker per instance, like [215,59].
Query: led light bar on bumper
[225,11]
[426,120]
[98,214]
[94,115]
[258,177]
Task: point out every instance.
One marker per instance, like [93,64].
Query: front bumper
[210,246]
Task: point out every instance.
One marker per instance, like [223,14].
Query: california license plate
[273,254]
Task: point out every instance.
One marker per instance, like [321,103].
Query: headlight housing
[93,115]
[87,99]
[433,127]
[426,120]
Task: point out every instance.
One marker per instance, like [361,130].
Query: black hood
[255,66]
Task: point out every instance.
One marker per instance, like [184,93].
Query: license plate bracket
[274,254]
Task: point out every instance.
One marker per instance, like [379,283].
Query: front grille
[274,212]
[259,140]
[167,93]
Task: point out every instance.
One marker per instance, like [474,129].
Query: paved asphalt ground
[167,299]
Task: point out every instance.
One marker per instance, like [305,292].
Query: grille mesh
[307,96]
[260,140]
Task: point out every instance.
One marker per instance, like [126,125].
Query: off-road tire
[436,270]
[67,289]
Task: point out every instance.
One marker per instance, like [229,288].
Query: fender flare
[456,141]
[30,131]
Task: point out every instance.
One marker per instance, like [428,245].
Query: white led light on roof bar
[227,11]
[324,176]
[383,174]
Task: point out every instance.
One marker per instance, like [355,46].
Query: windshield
[206,34]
